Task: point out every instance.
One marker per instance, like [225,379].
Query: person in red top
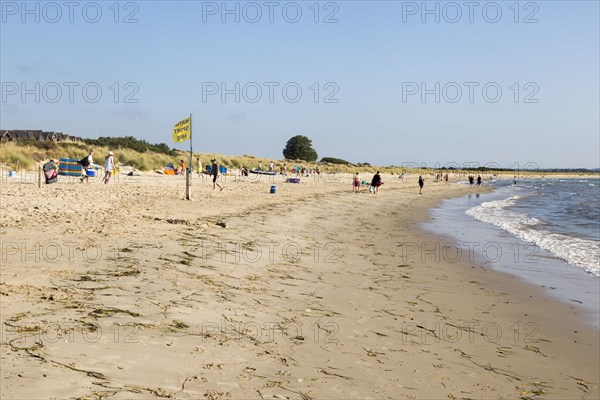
[356,183]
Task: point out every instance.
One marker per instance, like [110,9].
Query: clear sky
[369,73]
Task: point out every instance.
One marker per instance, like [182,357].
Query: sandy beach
[128,291]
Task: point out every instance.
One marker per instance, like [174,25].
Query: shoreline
[509,254]
[178,304]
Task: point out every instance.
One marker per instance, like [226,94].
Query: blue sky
[374,61]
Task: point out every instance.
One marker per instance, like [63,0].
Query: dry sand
[129,291]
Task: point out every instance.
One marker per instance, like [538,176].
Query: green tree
[300,148]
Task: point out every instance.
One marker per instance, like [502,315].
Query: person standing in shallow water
[478,180]
[421,184]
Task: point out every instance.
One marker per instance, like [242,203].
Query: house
[7,136]
[49,136]
[24,135]
[37,135]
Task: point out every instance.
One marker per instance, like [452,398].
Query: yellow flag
[181,130]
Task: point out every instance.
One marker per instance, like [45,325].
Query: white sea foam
[582,253]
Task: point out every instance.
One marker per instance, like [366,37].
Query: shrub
[332,160]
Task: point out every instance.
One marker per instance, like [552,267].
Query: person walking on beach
[471,180]
[183,169]
[478,180]
[109,165]
[215,173]
[376,182]
[356,183]
[87,161]
[421,184]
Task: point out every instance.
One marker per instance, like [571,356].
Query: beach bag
[50,172]
[372,189]
[85,161]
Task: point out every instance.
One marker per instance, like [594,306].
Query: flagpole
[189,169]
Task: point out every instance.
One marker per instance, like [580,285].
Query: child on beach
[421,184]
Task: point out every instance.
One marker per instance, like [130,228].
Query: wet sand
[129,291]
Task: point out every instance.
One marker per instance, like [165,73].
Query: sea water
[547,231]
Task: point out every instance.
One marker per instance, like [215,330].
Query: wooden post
[40,175]
[187,186]
[188,194]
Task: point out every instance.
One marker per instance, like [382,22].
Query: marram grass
[20,156]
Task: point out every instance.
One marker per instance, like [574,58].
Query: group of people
[214,170]
[472,180]
[87,162]
[109,169]
[376,182]
[285,170]
[439,177]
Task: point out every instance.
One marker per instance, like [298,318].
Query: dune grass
[26,156]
